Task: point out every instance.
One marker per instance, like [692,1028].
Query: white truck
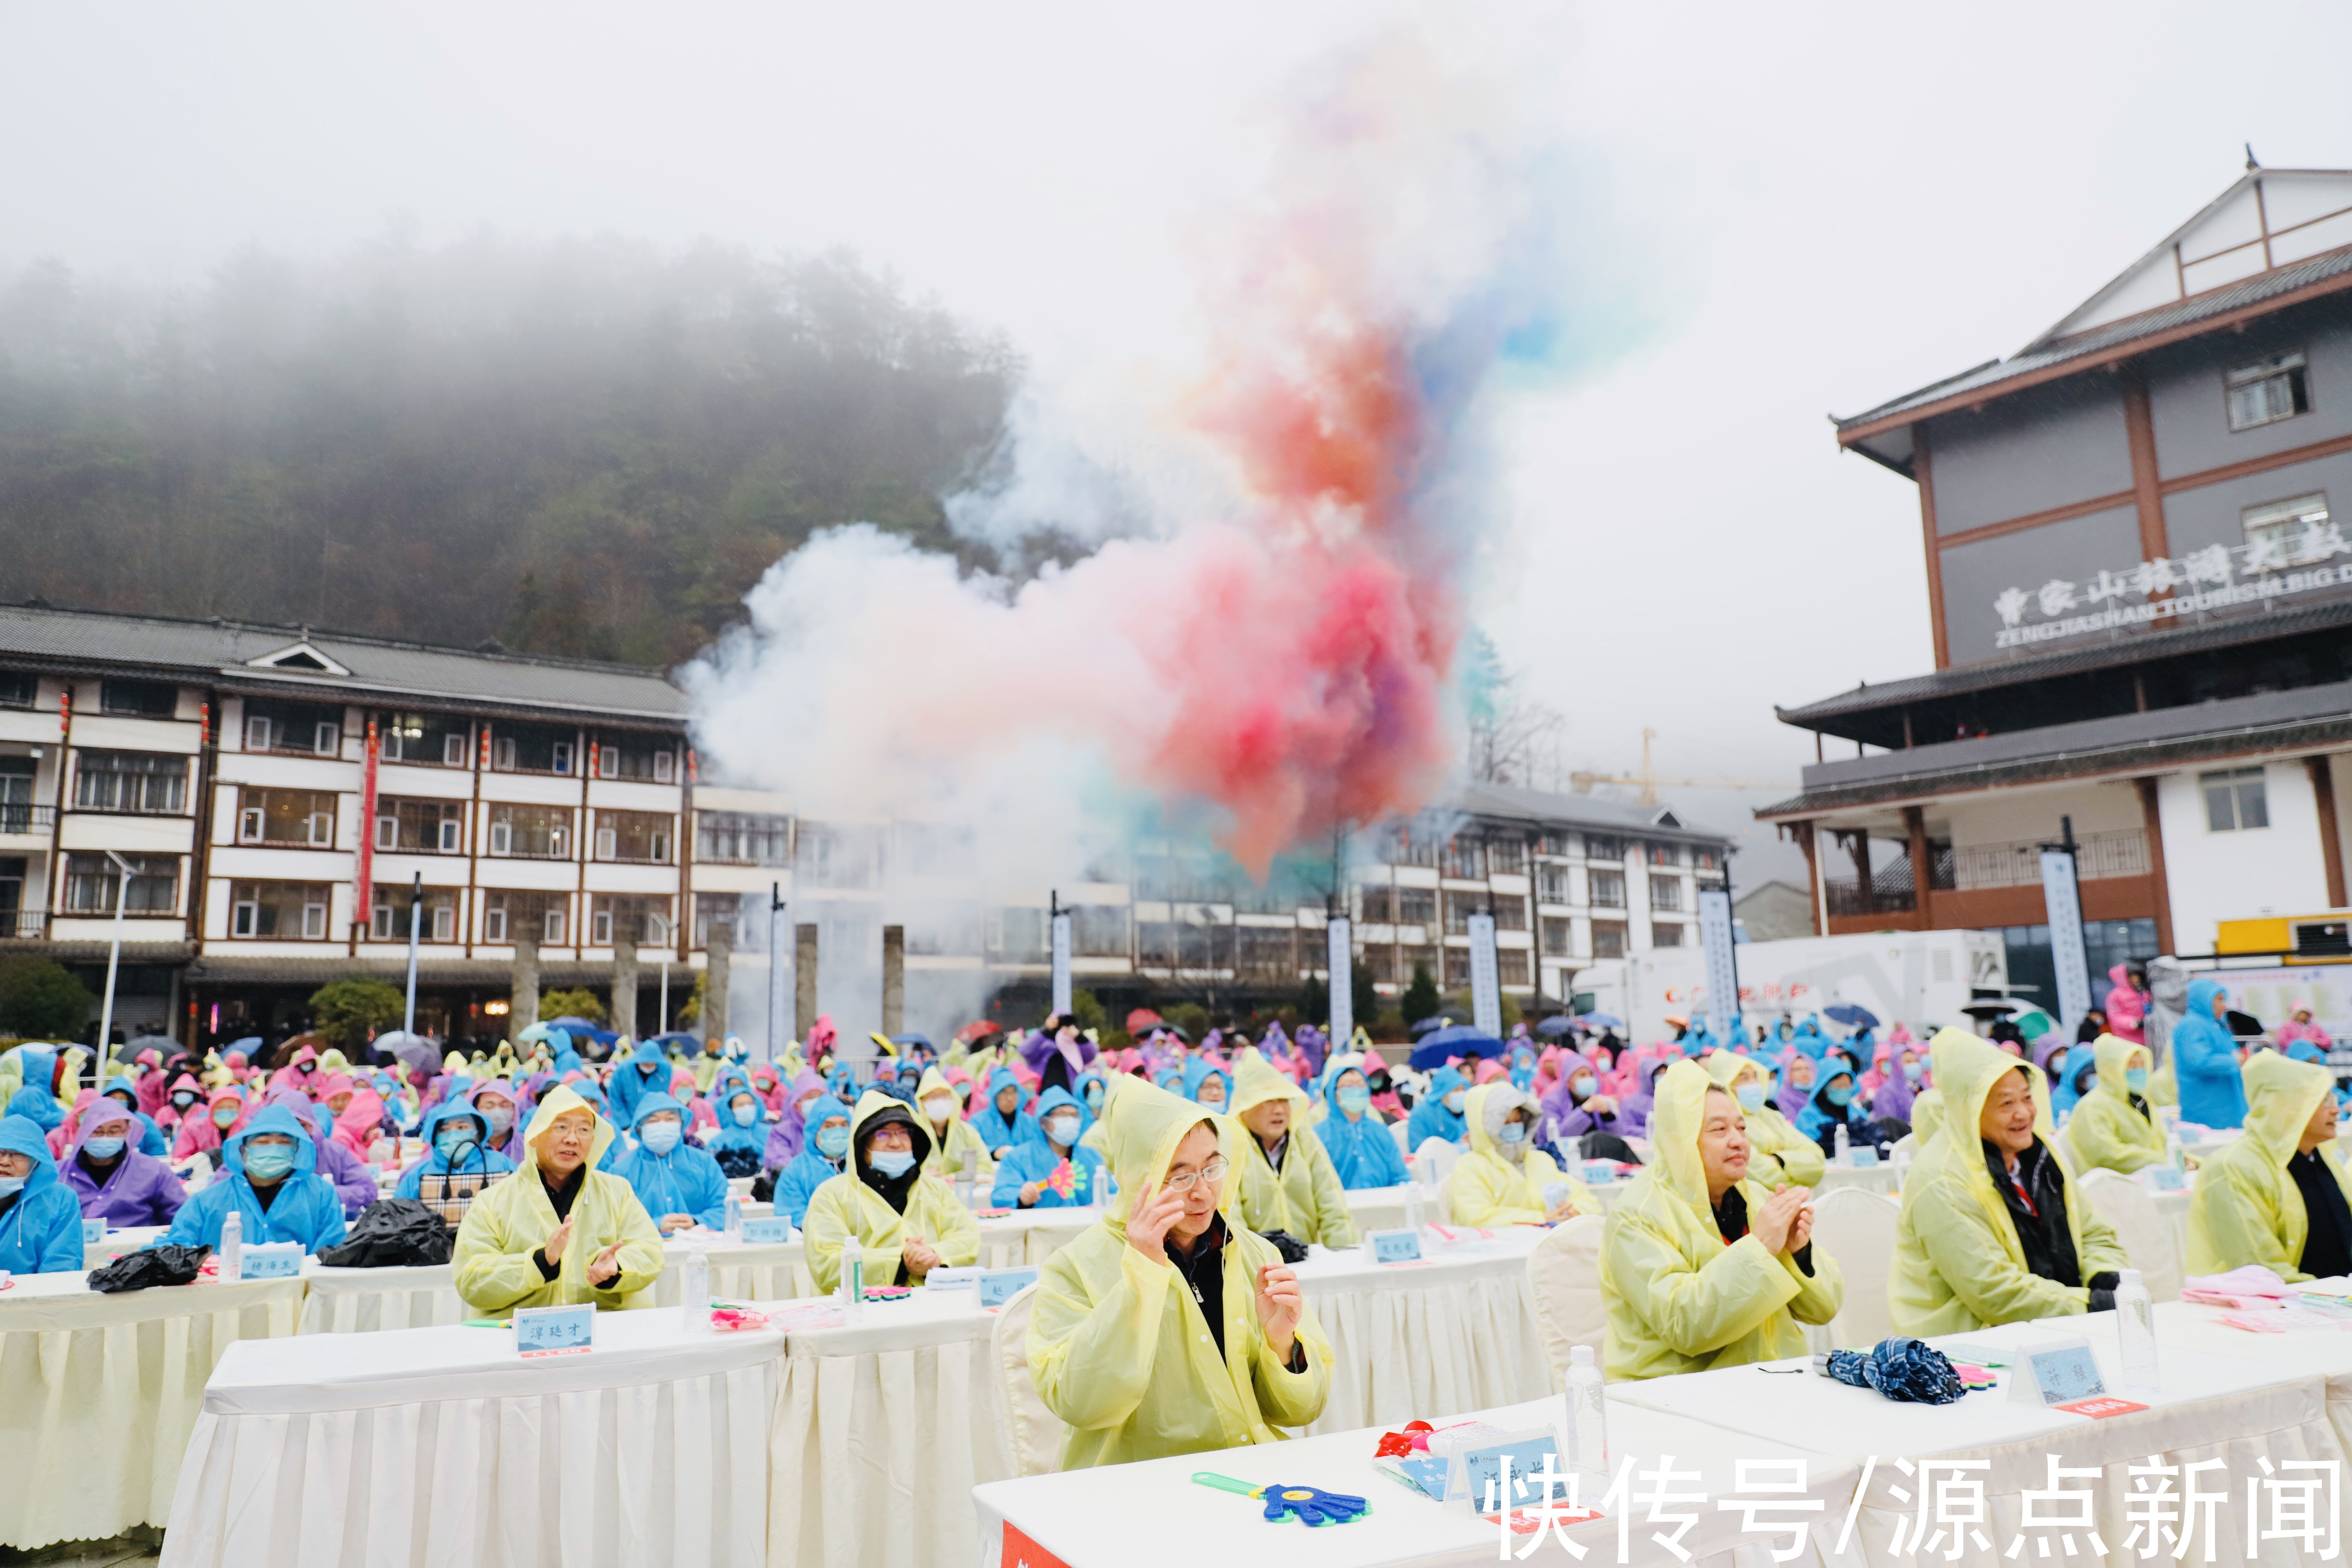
[1920,978]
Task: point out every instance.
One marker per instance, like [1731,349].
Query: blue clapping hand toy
[1310,1506]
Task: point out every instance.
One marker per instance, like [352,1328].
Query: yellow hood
[874,1103]
[1926,1114]
[2280,1095]
[1256,1082]
[933,1081]
[1965,1070]
[1474,1113]
[1137,1134]
[1677,1111]
[2116,1057]
[1723,1068]
[559,1099]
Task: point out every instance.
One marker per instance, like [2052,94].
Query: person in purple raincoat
[1058,1055]
[1633,1115]
[354,1182]
[785,1138]
[110,1178]
[1576,1106]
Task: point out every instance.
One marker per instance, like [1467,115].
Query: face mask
[1216,1102]
[102,1148]
[183,1099]
[2090,1081]
[1838,1094]
[1355,1101]
[1454,1103]
[1912,1070]
[938,1107]
[892,1163]
[500,1120]
[1513,1133]
[11,1185]
[1579,1086]
[268,1163]
[449,1140]
[746,1114]
[2136,1079]
[832,1142]
[661,1137]
[1751,1096]
[1095,1095]
[1063,1130]
[309,1067]
[225,1115]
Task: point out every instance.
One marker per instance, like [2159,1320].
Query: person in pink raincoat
[2301,1027]
[2128,1004]
[224,1116]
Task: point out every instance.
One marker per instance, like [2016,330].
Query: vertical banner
[364,890]
[1485,988]
[1061,962]
[1343,981]
[1722,962]
[780,978]
[2063,901]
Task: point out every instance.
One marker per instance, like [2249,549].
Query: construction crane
[1649,780]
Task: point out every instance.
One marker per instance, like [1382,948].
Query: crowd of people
[1218,1163]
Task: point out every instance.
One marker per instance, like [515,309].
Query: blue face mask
[448,1140]
[102,1148]
[11,1185]
[892,1163]
[746,1114]
[1513,1133]
[1912,1070]
[661,1137]
[2136,1079]
[270,1161]
[832,1142]
[1751,1096]
[1453,1101]
[1579,1089]
[1355,1101]
[1838,1094]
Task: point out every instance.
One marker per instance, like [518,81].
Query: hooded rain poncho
[305,1208]
[40,1226]
[685,1181]
[1037,1162]
[848,1204]
[140,1190]
[1304,1197]
[2246,1207]
[1491,1188]
[2205,1063]
[950,1143]
[1430,1116]
[493,1264]
[1363,1152]
[810,1169]
[477,1157]
[1779,1155]
[999,1133]
[2108,1130]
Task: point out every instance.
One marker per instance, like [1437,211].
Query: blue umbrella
[922,1040]
[1602,1020]
[1458,1040]
[1558,1024]
[1846,1013]
[1440,1021]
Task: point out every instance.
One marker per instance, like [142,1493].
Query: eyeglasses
[1215,1171]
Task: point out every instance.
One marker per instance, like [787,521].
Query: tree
[555,1004]
[1363,996]
[1421,996]
[1513,739]
[354,1009]
[39,1000]
[1086,1008]
[1315,1001]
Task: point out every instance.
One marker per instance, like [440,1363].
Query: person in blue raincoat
[1361,1149]
[825,1151]
[40,1220]
[646,1072]
[742,1138]
[1000,1122]
[1438,1113]
[679,1185]
[268,1176]
[1092,1089]
[1022,1177]
[2075,1076]
[1832,1103]
[37,1105]
[2305,1051]
[458,1144]
[2205,1061]
[1206,1083]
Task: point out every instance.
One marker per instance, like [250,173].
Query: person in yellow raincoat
[2114,1126]
[1287,1179]
[557,1231]
[1502,1180]
[2276,1195]
[952,1136]
[1927,1115]
[884,1199]
[1968,1252]
[1701,1265]
[1778,1154]
[1168,1326]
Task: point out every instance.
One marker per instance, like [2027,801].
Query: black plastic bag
[153,1266]
[393,1233]
[764,1187]
[1292,1250]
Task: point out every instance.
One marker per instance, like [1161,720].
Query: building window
[305,728]
[140,781]
[1459,907]
[840,856]
[1457,968]
[2285,534]
[1665,893]
[138,698]
[1602,846]
[154,886]
[2267,391]
[1665,934]
[1608,889]
[17,691]
[299,818]
[426,740]
[1465,857]
[649,759]
[1511,967]
[1098,930]
[532,832]
[507,915]
[1608,939]
[1379,963]
[715,910]
[1267,952]
[278,911]
[643,918]
[1414,846]
[1377,905]
[1551,884]
[742,839]
[1550,842]
[420,826]
[1510,912]
[1555,932]
[1708,860]
[388,914]
[1507,856]
[2234,799]
[641,838]
[533,749]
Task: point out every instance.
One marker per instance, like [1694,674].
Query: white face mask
[1062,1130]
[938,1107]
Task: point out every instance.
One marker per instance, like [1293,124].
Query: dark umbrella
[413,1050]
[1459,1040]
[677,1037]
[1440,1021]
[1999,1007]
[2245,1025]
[1559,1024]
[1846,1013]
[922,1040]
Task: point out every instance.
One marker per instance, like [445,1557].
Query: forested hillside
[586,447]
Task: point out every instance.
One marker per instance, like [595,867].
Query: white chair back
[1856,1228]
[2147,1236]
[1443,1153]
[1036,1431]
[1908,1144]
[1564,1275]
[1400,1131]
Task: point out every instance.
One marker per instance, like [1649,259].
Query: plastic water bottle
[694,1291]
[2176,1153]
[968,1178]
[1842,1143]
[232,1247]
[2136,1333]
[1587,1423]
[853,1282]
[734,1219]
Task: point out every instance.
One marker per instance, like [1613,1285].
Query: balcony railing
[2097,857]
[24,925]
[19,817]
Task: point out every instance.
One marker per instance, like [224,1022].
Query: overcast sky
[1813,206]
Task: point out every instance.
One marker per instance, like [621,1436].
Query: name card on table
[2164,1179]
[1861,1158]
[271,1260]
[93,1231]
[1599,1173]
[2055,1371]
[773,1231]
[1394,1246]
[555,1330]
[998,1285]
[963,1277]
[1480,1477]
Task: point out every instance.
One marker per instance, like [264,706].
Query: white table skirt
[1151,1515]
[2237,1411]
[439,1449]
[363,1301]
[98,1395]
[2184,1325]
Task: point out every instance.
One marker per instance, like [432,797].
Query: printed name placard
[773,1231]
[555,1330]
[998,1285]
[272,1260]
[1482,1472]
[2055,1371]
[1395,1246]
[2164,1178]
[93,1231]
[1862,1156]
